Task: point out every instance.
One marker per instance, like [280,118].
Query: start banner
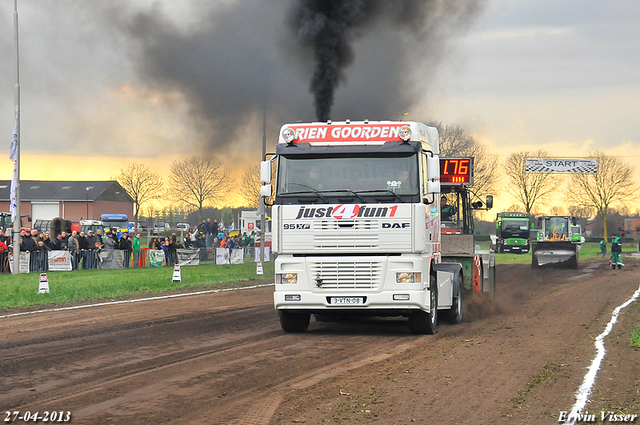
[561,165]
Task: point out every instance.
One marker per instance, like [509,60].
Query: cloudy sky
[108,83]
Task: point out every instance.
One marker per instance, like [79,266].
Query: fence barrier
[44,261]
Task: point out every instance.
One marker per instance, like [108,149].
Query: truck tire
[294,322]
[422,322]
[454,314]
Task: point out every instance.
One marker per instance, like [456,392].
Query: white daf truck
[356,224]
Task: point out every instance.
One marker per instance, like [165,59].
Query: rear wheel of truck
[294,322]
[454,315]
[423,322]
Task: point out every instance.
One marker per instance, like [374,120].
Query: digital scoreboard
[456,171]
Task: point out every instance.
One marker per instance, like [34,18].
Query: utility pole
[17,220]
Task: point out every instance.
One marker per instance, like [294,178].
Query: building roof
[45,190]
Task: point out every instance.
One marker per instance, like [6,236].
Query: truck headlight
[289,135]
[408,277]
[287,278]
[404,132]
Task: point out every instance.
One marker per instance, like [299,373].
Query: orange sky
[61,167]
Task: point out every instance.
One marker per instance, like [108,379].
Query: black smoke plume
[235,57]
[328,28]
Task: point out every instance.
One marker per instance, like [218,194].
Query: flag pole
[263,229]
[17,220]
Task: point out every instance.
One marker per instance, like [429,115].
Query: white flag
[13,151]
[13,204]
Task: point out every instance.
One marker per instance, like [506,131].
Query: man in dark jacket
[64,242]
[99,237]
[90,253]
[91,240]
[83,247]
[616,250]
[56,245]
[126,244]
[29,242]
[73,246]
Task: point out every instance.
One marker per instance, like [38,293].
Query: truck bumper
[386,303]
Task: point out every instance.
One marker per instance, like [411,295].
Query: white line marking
[134,300]
[582,395]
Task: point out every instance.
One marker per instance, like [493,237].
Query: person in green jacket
[603,247]
[136,250]
[616,249]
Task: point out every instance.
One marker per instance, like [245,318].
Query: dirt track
[221,358]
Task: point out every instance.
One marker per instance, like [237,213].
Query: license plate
[347,300]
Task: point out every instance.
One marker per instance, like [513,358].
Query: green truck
[512,232]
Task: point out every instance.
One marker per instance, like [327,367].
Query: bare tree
[141,184]
[580,212]
[612,185]
[250,186]
[515,207]
[198,181]
[455,141]
[557,210]
[528,188]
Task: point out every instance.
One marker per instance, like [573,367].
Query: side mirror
[433,186]
[265,191]
[265,172]
[433,169]
[489,202]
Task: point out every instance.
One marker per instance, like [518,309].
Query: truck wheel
[294,322]
[422,322]
[454,315]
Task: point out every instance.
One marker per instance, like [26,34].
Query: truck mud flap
[446,274]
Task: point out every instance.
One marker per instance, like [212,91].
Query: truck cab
[457,228]
[356,223]
[513,232]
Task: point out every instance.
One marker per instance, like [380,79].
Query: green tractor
[558,241]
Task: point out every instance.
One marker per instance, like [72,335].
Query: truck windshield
[557,225]
[366,178]
[515,225]
[116,224]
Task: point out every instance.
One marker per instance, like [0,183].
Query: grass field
[19,291]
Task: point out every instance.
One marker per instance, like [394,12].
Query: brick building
[71,200]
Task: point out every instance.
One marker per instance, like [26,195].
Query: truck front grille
[347,275]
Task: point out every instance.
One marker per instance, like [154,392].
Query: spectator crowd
[85,247]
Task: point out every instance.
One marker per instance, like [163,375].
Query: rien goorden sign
[561,165]
[349,132]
